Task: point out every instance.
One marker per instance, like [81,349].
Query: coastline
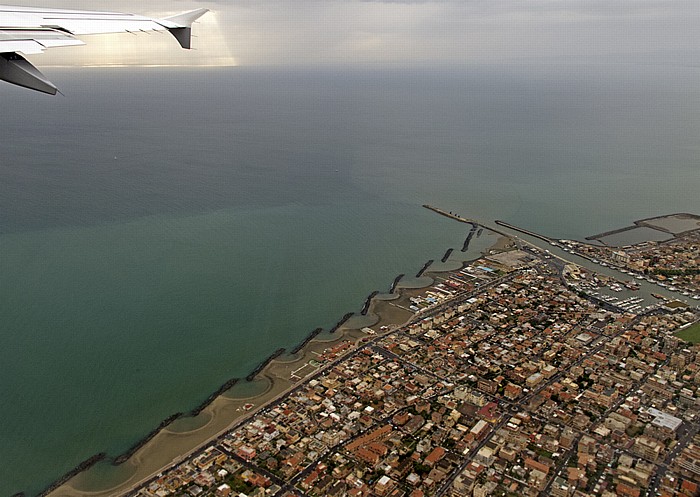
[164,446]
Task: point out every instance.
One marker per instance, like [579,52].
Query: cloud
[311,32]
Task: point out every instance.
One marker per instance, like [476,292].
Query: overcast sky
[314,32]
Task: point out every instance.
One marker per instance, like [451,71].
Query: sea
[165,230]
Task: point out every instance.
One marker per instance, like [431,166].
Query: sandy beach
[184,436]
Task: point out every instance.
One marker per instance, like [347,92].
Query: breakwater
[468,240]
[263,364]
[132,450]
[306,340]
[86,464]
[424,268]
[210,399]
[611,232]
[368,301]
[447,254]
[392,288]
[476,225]
[341,322]
[527,232]
[450,215]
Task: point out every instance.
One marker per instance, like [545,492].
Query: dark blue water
[165,230]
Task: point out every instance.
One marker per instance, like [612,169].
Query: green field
[691,333]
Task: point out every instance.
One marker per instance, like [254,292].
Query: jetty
[451,215]
[475,224]
[527,232]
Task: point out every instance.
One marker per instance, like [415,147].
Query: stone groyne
[306,340]
[341,322]
[132,450]
[447,255]
[210,399]
[392,288]
[424,268]
[368,301]
[86,464]
[468,240]
[263,364]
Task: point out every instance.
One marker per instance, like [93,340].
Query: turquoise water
[169,230]
[113,328]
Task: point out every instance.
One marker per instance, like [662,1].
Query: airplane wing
[25,30]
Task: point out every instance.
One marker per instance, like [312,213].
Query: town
[508,381]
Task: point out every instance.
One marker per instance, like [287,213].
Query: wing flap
[24,46]
[30,41]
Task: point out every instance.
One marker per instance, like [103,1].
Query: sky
[341,32]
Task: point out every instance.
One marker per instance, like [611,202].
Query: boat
[657,296]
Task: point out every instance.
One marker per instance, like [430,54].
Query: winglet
[182,26]
[186,19]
